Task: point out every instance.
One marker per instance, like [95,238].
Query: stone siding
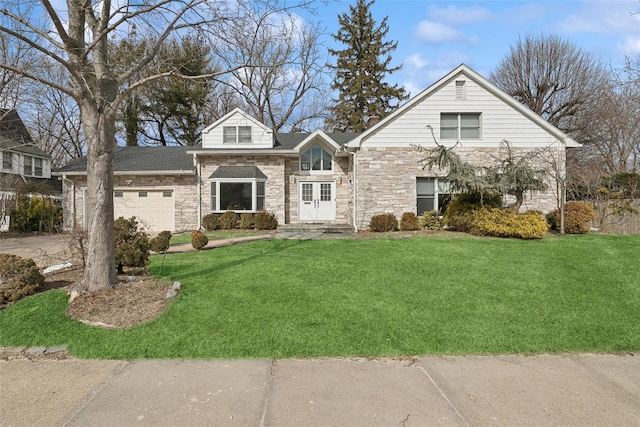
[386,180]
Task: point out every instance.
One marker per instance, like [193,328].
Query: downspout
[199,184]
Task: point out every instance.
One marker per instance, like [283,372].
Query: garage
[154,209]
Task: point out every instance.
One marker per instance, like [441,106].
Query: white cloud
[599,17]
[434,32]
[419,71]
[456,15]
[631,46]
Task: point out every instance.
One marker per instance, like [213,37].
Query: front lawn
[371,297]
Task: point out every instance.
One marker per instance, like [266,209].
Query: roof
[238,172]
[166,160]
[15,136]
[485,84]
[288,141]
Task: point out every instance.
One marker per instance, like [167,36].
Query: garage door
[155,210]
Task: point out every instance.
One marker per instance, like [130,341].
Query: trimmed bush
[264,220]
[132,244]
[35,213]
[246,221]
[409,221]
[19,278]
[229,220]
[383,222]
[198,240]
[211,222]
[576,217]
[160,243]
[431,220]
[504,223]
[457,217]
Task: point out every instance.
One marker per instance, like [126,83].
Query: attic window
[236,135]
[316,159]
[460,89]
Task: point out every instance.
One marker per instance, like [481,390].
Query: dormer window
[316,159]
[236,135]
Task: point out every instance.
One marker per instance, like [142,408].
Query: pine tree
[360,70]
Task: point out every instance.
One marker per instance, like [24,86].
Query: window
[247,195]
[28,165]
[236,135]
[460,125]
[460,90]
[118,194]
[167,193]
[432,194]
[142,194]
[7,160]
[38,166]
[316,159]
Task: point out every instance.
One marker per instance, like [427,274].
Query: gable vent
[460,89]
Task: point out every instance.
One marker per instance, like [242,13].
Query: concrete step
[315,228]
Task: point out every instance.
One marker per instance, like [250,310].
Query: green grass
[211,235]
[378,297]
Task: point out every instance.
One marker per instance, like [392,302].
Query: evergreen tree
[360,70]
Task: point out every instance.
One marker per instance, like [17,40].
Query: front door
[317,201]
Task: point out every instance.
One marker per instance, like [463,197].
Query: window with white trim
[239,195]
[432,194]
[28,165]
[236,135]
[316,158]
[459,125]
[37,170]
[7,160]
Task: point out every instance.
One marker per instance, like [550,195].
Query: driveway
[45,249]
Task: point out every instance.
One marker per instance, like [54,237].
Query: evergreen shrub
[431,220]
[211,222]
[409,221]
[198,240]
[504,223]
[576,217]
[131,244]
[457,217]
[229,220]
[246,221]
[19,278]
[383,222]
[264,220]
[35,213]
[160,243]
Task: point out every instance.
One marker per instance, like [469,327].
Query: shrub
[131,244]
[246,221]
[576,217]
[198,240]
[409,221]
[264,220]
[431,220]
[35,213]
[229,220]
[211,222]
[160,243]
[456,215]
[383,222]
[19,278]
[504,223]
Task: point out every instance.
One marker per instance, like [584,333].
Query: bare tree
[555,79]
[290,96]
[78,40]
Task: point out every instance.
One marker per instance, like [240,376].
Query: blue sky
[436,36]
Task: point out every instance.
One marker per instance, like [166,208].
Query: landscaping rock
[35,351]
[177,286]
[55,349]
[172,293]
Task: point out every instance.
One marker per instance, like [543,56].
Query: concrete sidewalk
[546,390]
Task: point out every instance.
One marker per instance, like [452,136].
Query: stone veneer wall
[184,192]
[272,166]
[386,180]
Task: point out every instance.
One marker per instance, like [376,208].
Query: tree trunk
[100,268]
[514,208]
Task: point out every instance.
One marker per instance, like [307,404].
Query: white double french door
[317,201]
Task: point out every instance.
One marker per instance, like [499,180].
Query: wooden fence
[609,222]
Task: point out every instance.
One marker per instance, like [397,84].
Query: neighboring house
[320,177]
[22,164]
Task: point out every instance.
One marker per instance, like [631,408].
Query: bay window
[240,195]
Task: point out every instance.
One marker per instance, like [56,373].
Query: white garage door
[155,210]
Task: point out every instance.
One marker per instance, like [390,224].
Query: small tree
[132,244]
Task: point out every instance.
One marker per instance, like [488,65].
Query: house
[320,177]
[23,165]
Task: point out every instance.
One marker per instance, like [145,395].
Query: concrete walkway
[572,390]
